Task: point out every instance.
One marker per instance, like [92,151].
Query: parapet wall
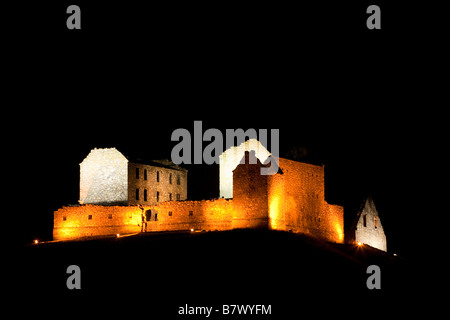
[296,198]
[208,215]
[96,220]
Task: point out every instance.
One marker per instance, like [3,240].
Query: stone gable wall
[369,234]
[104,177]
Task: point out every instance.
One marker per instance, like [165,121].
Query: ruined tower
[367,228]
[230,159]
[250,196]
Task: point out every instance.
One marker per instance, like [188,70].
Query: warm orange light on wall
[339,231]
[276,203]
[274,211]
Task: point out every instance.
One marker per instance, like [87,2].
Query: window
[157,176]
[137,173]
[137,194]
[170,197]
[145,174]
[364,221]
[375,221]
[191,213]
[157,196]
[178,179]
[110,216]
[170,213]
[64,218]
[90,217]
[170,178]
[178,197]
[156,217]
[145,194]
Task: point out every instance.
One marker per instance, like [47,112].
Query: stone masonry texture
[291,200]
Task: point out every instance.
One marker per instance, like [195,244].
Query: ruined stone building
[118,197]
[230,159]
[107,177]
[367,228]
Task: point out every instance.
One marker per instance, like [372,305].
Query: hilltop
[155,273]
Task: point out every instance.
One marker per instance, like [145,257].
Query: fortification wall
[208,215]
[297,202]
[276,197]
[95,220]
[333,223]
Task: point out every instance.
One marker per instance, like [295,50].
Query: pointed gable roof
[231,158]
[367,227]
[367,201]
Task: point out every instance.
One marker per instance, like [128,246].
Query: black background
[356,99]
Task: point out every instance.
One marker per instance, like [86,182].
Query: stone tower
[250,196]
[230,159]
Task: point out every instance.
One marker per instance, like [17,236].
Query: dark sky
[134,74]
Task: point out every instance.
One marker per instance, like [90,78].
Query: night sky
[340,93]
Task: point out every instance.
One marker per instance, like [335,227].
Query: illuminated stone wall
[108,178]
[250,194]
[296,198]
[229,160]
[368,228]
[74,222]
[156,184]
[104,177]
[276,201]
[208,215]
